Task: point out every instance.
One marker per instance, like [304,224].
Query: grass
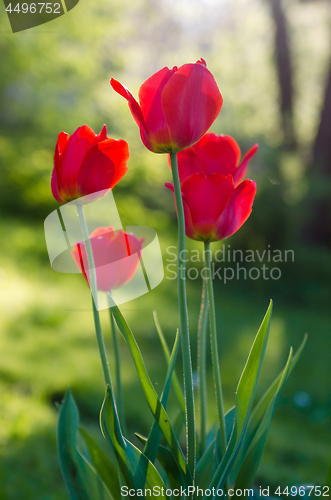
[47,343]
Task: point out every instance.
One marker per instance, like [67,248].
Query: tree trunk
[322,146]
[284,71]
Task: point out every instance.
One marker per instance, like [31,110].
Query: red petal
[212,154]
[202,61]
[206,198]
[55,188]
[189,229]
[134,106]
[190,101]
[60,147]
[71,159]
[242,168]
[102,136]
[107,232]
[237,211]
[150,104]
[103,166]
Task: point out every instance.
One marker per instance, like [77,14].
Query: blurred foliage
[56,77]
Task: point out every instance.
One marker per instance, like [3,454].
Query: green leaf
[179,424]
[175,382]
[166,459]
[153,441]
[204,471]
[212,455]
[264,402]
[81,481]
[103,466]
[251,460]
[155,405]
[136,470]
[244,399]
[261,408]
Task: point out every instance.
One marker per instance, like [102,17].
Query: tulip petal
[54,187]
[71,159]
[190,101]
[150,104]
[242,168]
[207,197]
[114,261]
[134,106]
[237,211]
[189,229]
[101,136]
[103,166]
[212,154]
[60,146]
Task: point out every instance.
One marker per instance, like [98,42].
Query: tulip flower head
[176,106]
[216,200]
[116,257]
[86,163]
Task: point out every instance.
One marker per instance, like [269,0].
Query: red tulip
[176,106]
[116,257]
[85,163]
[216,202]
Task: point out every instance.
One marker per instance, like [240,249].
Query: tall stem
[118,381]
[184,328]
[202,345]
[93,286]
[214,349]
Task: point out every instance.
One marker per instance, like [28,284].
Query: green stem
[214,349]
[184,328]
[202,348]
[93,286]
[118,381]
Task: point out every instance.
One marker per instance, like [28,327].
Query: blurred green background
[271,62]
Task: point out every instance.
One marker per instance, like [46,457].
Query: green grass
[47,343]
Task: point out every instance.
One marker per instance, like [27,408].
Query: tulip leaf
[175,382]
[252,458]
[244,399]
[153,441]
[155,405]
[179,424]
[262,406]
[81,481]
[204,471]
[264,402]
[101,463]
[136,470]
[166,459]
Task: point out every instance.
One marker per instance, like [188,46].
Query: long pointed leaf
[175,382]
[264,402]
[153,441]
[244,399]
[251,462]
[155,405]
[81,481]
[101,463]
[137,471]
[166,459]
[261,408]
